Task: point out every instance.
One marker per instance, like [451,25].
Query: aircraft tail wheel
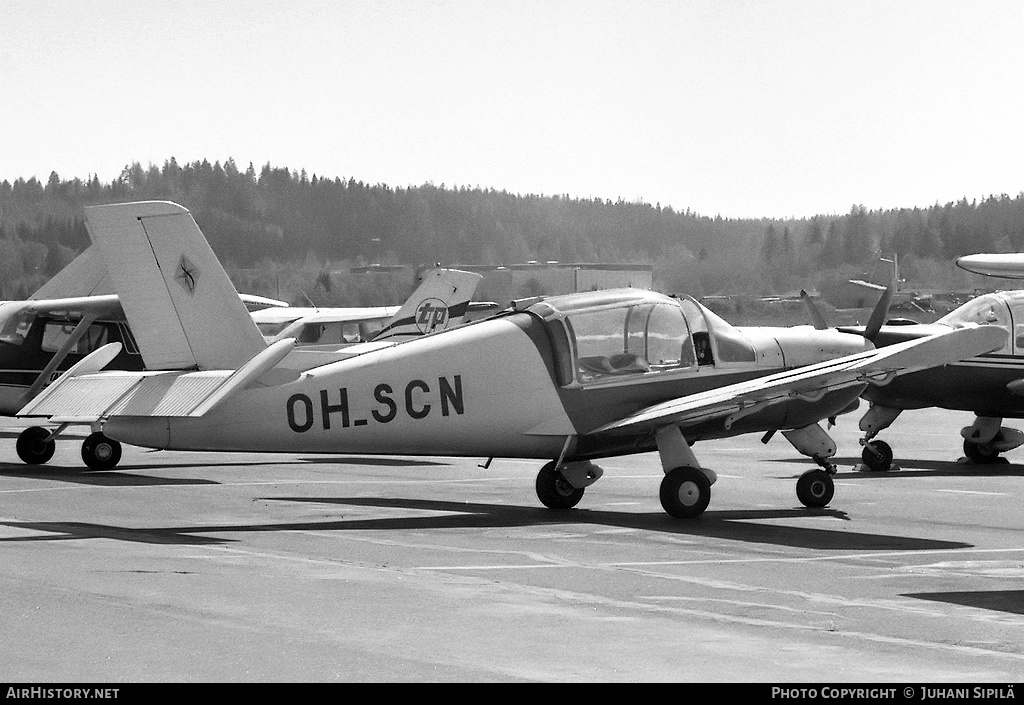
[554,491]
[100,452]
[32,446]
[815,488]
[980,454]
[685,492]
[877,455]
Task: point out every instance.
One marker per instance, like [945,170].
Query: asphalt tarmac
[235,567]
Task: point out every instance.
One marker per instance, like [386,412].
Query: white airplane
[569,379]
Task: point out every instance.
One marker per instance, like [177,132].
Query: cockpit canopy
[1004,309]
[608,334]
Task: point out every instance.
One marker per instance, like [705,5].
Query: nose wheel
[815,488]
[685,492]
[877,456]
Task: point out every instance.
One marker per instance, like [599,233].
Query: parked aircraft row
[569,379]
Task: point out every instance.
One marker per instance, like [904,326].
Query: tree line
[284,220]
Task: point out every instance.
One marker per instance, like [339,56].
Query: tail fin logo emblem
[431,315]
[187,275]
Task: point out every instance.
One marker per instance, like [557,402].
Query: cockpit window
[984,310]
[57,333]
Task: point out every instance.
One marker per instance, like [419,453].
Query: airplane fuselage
[500,387]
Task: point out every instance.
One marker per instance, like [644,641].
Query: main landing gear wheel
[877,456]
[981,454]
[685,492]
[32,446]
[100,452]
[554,491]
[815,488]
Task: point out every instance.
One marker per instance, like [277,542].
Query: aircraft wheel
[100,452]
[877,455]
[32,446]
[981,454]
[685,492]
[815,488]
[554,491]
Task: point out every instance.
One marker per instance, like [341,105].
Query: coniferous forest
[298,226]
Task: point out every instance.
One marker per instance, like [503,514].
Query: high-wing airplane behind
[569,379]
[1008,265]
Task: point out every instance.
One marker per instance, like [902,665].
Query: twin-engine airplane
[66,319]
[570,378]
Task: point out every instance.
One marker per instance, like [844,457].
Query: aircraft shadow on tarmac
[733,525]
[99,478]
[997,600]
[922,468]
[382,462]
[121,477]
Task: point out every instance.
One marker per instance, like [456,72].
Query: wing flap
[875,366]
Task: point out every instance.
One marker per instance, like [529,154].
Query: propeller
[875,323]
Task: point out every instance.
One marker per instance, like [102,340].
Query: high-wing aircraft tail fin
[85,275]
[817,318]
[440,302]
[183,309]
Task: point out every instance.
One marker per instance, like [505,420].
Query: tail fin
[183,309]
[85,275]
[440,302]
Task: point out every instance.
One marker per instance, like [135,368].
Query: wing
[811,382]
[104,306]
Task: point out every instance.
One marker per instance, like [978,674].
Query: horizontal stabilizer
[95,395]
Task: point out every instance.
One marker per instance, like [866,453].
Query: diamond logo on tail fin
[187,275]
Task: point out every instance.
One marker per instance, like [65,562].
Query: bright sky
[727,107]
